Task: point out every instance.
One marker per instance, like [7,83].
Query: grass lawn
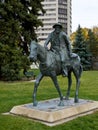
[15,93]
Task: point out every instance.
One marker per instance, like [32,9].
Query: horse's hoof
[66,98]
[35,104]
[61,103]
[76,100]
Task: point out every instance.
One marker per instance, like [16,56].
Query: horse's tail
[80,70]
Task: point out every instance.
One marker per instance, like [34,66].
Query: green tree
[95,47]
[84,32]
[92,40]
[81,48]
[18,20]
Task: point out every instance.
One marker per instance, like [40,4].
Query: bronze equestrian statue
[57,60]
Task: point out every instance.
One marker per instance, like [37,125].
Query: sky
[85,13]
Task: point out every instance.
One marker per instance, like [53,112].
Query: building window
[62,11]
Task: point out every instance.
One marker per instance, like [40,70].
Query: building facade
[56,11]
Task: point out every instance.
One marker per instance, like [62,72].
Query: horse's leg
[39,78]
[54,79]
[69,86]
[77,76]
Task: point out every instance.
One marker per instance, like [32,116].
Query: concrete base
[48,112]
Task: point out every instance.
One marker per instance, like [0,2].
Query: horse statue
[50,65]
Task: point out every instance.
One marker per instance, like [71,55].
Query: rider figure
[60,43]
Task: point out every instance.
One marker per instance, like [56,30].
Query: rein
[44,63]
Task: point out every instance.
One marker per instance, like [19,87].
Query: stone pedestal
[49,113]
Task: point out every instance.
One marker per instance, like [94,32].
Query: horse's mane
[42,49]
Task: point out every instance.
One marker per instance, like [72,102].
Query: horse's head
[33,51]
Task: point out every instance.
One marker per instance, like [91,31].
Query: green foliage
[81,48]
[17,93]
[92,42]
[20,17]
[17,19]
[90,37]
[11,63]
[95,31]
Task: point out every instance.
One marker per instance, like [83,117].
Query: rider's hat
[57,24]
